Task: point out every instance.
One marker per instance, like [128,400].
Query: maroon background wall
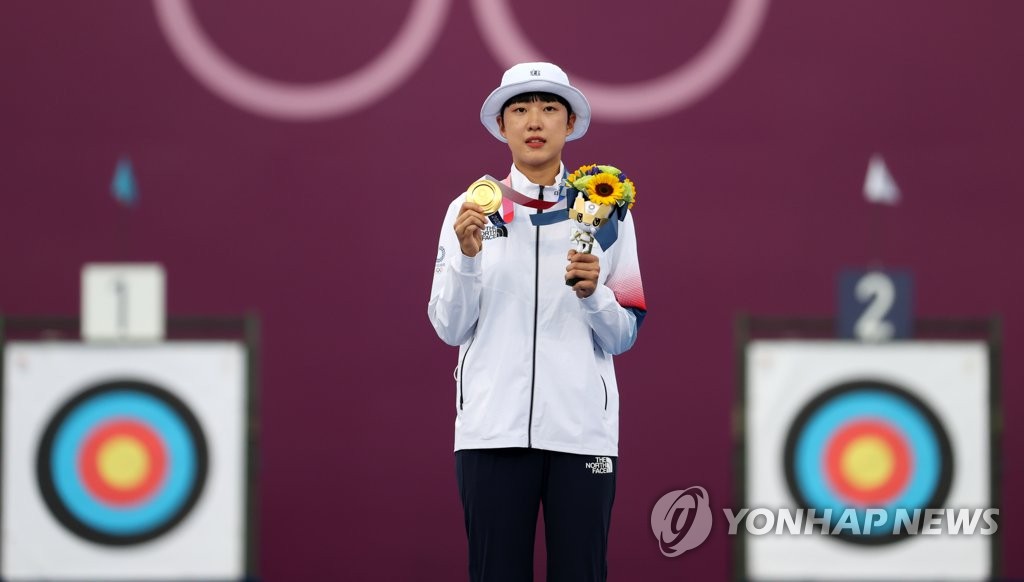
[749,199]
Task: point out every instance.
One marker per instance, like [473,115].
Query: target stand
[841,426]
[128,461]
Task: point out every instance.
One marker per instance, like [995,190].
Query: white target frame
[209,377]
[782,376]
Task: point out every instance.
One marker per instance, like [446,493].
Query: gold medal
[487,194]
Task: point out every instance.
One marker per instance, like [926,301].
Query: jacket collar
[523,185]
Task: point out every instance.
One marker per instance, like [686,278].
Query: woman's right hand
[469,227]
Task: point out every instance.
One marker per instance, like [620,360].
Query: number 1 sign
[123,301]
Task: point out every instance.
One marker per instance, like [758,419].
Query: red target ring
[868,463]
[123,462]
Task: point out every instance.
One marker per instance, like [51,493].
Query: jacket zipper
[461,365]
[605,384]
[536,305]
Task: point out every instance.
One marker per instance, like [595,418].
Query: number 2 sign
[875,305]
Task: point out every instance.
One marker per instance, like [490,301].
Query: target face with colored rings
[868,445]
[122,463]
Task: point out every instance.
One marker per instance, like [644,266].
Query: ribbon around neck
[520,199]
[606,234]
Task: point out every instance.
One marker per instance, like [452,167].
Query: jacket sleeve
[617,308]
[454,305]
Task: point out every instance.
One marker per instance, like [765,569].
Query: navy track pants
[502,491]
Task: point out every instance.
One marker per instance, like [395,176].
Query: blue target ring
[913,427]
[75,502]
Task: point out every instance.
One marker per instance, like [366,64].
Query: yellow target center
[868,462]
[123,462]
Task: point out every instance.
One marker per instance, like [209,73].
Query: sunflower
[604,189]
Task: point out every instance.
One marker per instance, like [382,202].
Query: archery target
[848,426]
[122,463]
[868,444]
[127,462]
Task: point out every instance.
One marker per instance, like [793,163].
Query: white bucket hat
[535,77]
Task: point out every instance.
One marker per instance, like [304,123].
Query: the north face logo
[601,465]
[491,232]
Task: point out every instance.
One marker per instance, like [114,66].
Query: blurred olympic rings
[419,32]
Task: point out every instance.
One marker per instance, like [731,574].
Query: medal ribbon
[606,235]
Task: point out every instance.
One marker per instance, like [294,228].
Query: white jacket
[535,362]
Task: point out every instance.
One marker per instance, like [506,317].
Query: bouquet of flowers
[595,193]
[604,185]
